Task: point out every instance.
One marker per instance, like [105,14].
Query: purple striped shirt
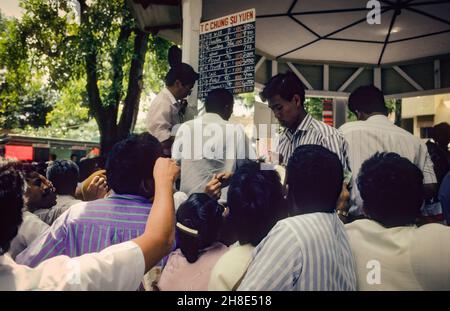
[90,227]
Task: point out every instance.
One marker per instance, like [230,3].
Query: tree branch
[131,104]
[95,102]
[117,60]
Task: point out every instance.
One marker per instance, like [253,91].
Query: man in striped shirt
[310,250]
[286,97]
[92,226]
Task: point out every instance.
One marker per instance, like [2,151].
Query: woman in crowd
[255,200]
[198,223]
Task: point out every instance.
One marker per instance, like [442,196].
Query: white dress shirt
[378,134]
[118,267]
[163,115]
[209,145]
[32,226]
[400,258]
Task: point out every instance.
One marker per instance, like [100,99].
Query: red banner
[327,114]
[19,152]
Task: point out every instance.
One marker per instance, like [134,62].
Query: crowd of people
[362,207]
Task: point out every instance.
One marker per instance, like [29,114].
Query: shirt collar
[378,117]
[6,260]
[172,98]
[130,197]
[302,127]
[212,117]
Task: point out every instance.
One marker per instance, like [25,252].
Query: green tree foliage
[314,106]
[31,108]
[87,131]
[248,99]
[156,64]
[71,109]
[15,75]
[98,45]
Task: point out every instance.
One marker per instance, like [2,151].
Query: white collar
[212,117]
[6,260]
[172,98]
[378,117]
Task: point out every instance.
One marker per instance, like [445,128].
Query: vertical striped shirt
[313,132]
[90,227]
[379,134]
[305,253]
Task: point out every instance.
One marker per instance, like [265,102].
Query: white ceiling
[314,31]
[283,37]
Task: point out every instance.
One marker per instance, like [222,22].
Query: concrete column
[326,77]
[274,68]
[192,13]
[339,111]
[377,77]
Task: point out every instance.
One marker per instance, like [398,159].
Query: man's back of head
[391,188]
[367,100]
[441,134]
[220,101]
[182,72]
[314,179]
[129,168]
[256,202]
[286,85]
[64,176]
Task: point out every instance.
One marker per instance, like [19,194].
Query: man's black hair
[391,188]
[286,85]
[182,72]
[131,161]
[314,177]
[64,176]
[11,202]
[217,100]
[255,199]
[367,99]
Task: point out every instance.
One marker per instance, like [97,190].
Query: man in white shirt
[210,144]
[167,109]
[119,267]
[391,252]
[374,132]
[32,227]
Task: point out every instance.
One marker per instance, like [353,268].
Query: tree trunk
[108,132]
[132,100]
[105,114]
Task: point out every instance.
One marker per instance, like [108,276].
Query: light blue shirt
[305,253]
